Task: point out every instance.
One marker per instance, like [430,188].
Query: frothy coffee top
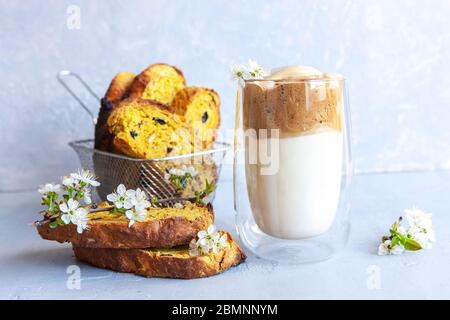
[296,100]
[295,72]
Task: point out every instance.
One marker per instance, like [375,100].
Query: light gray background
[395,54]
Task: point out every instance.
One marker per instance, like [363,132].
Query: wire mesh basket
[153,176]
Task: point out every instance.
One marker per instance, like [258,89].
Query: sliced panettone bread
[170,263]
[147,129]
[200,108]
[163,228]
[158,82]
[119,86]
[116,91]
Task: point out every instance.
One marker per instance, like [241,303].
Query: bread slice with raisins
[200,109]
[163,228]
[163,263]
[147,129]
[159,82]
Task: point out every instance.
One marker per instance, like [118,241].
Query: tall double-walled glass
[292,167]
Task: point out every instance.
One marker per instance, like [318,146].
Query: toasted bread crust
[164,233]
[140,82]
[116,91]
[119,86]
[144,103]
[151,264]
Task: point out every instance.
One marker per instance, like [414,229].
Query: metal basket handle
[61,78]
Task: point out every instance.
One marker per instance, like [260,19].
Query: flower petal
[121,189]
[65,218]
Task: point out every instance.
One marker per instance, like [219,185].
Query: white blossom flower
[178,205]
[386,248]
[135,202]
[139,199]
[239,71]
[70,182]
[122,198]
[191,170]
[209,240]
[80,219]
[136,215]
[73,214]
[220,243]
[424,237]
[256,71]
[251,71]
[209,234]
[87,196]
[194,248]
[86,176]
[176,172]
[418,218]
[420,227]
[48,188]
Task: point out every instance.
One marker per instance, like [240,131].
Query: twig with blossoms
[179,177]
[248,72]
[419,234]
[208,241]
[63,200]
[68,202]
[132,203]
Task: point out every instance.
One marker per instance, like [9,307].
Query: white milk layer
[301,199]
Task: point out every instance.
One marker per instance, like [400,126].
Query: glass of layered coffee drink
[292,168]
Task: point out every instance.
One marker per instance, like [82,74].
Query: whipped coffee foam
[294,72]
[306,105]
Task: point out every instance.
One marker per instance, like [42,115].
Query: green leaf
[180,182]
[412,245]
[408,243]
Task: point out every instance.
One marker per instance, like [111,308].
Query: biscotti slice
[116,91]
[159,82]
[163,227]
[119,86]
[147,129]
[200,108]
[170,263]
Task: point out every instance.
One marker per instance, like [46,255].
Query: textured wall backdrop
[395,54]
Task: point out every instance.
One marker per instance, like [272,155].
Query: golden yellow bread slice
[200,108]
[159,82]
[169,263]
[119,86]
[147,129]
[116,91]
[164,228]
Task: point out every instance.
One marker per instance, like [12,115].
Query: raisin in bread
[147,129]
[200,108]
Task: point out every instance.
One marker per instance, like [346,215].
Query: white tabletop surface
[32,268]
